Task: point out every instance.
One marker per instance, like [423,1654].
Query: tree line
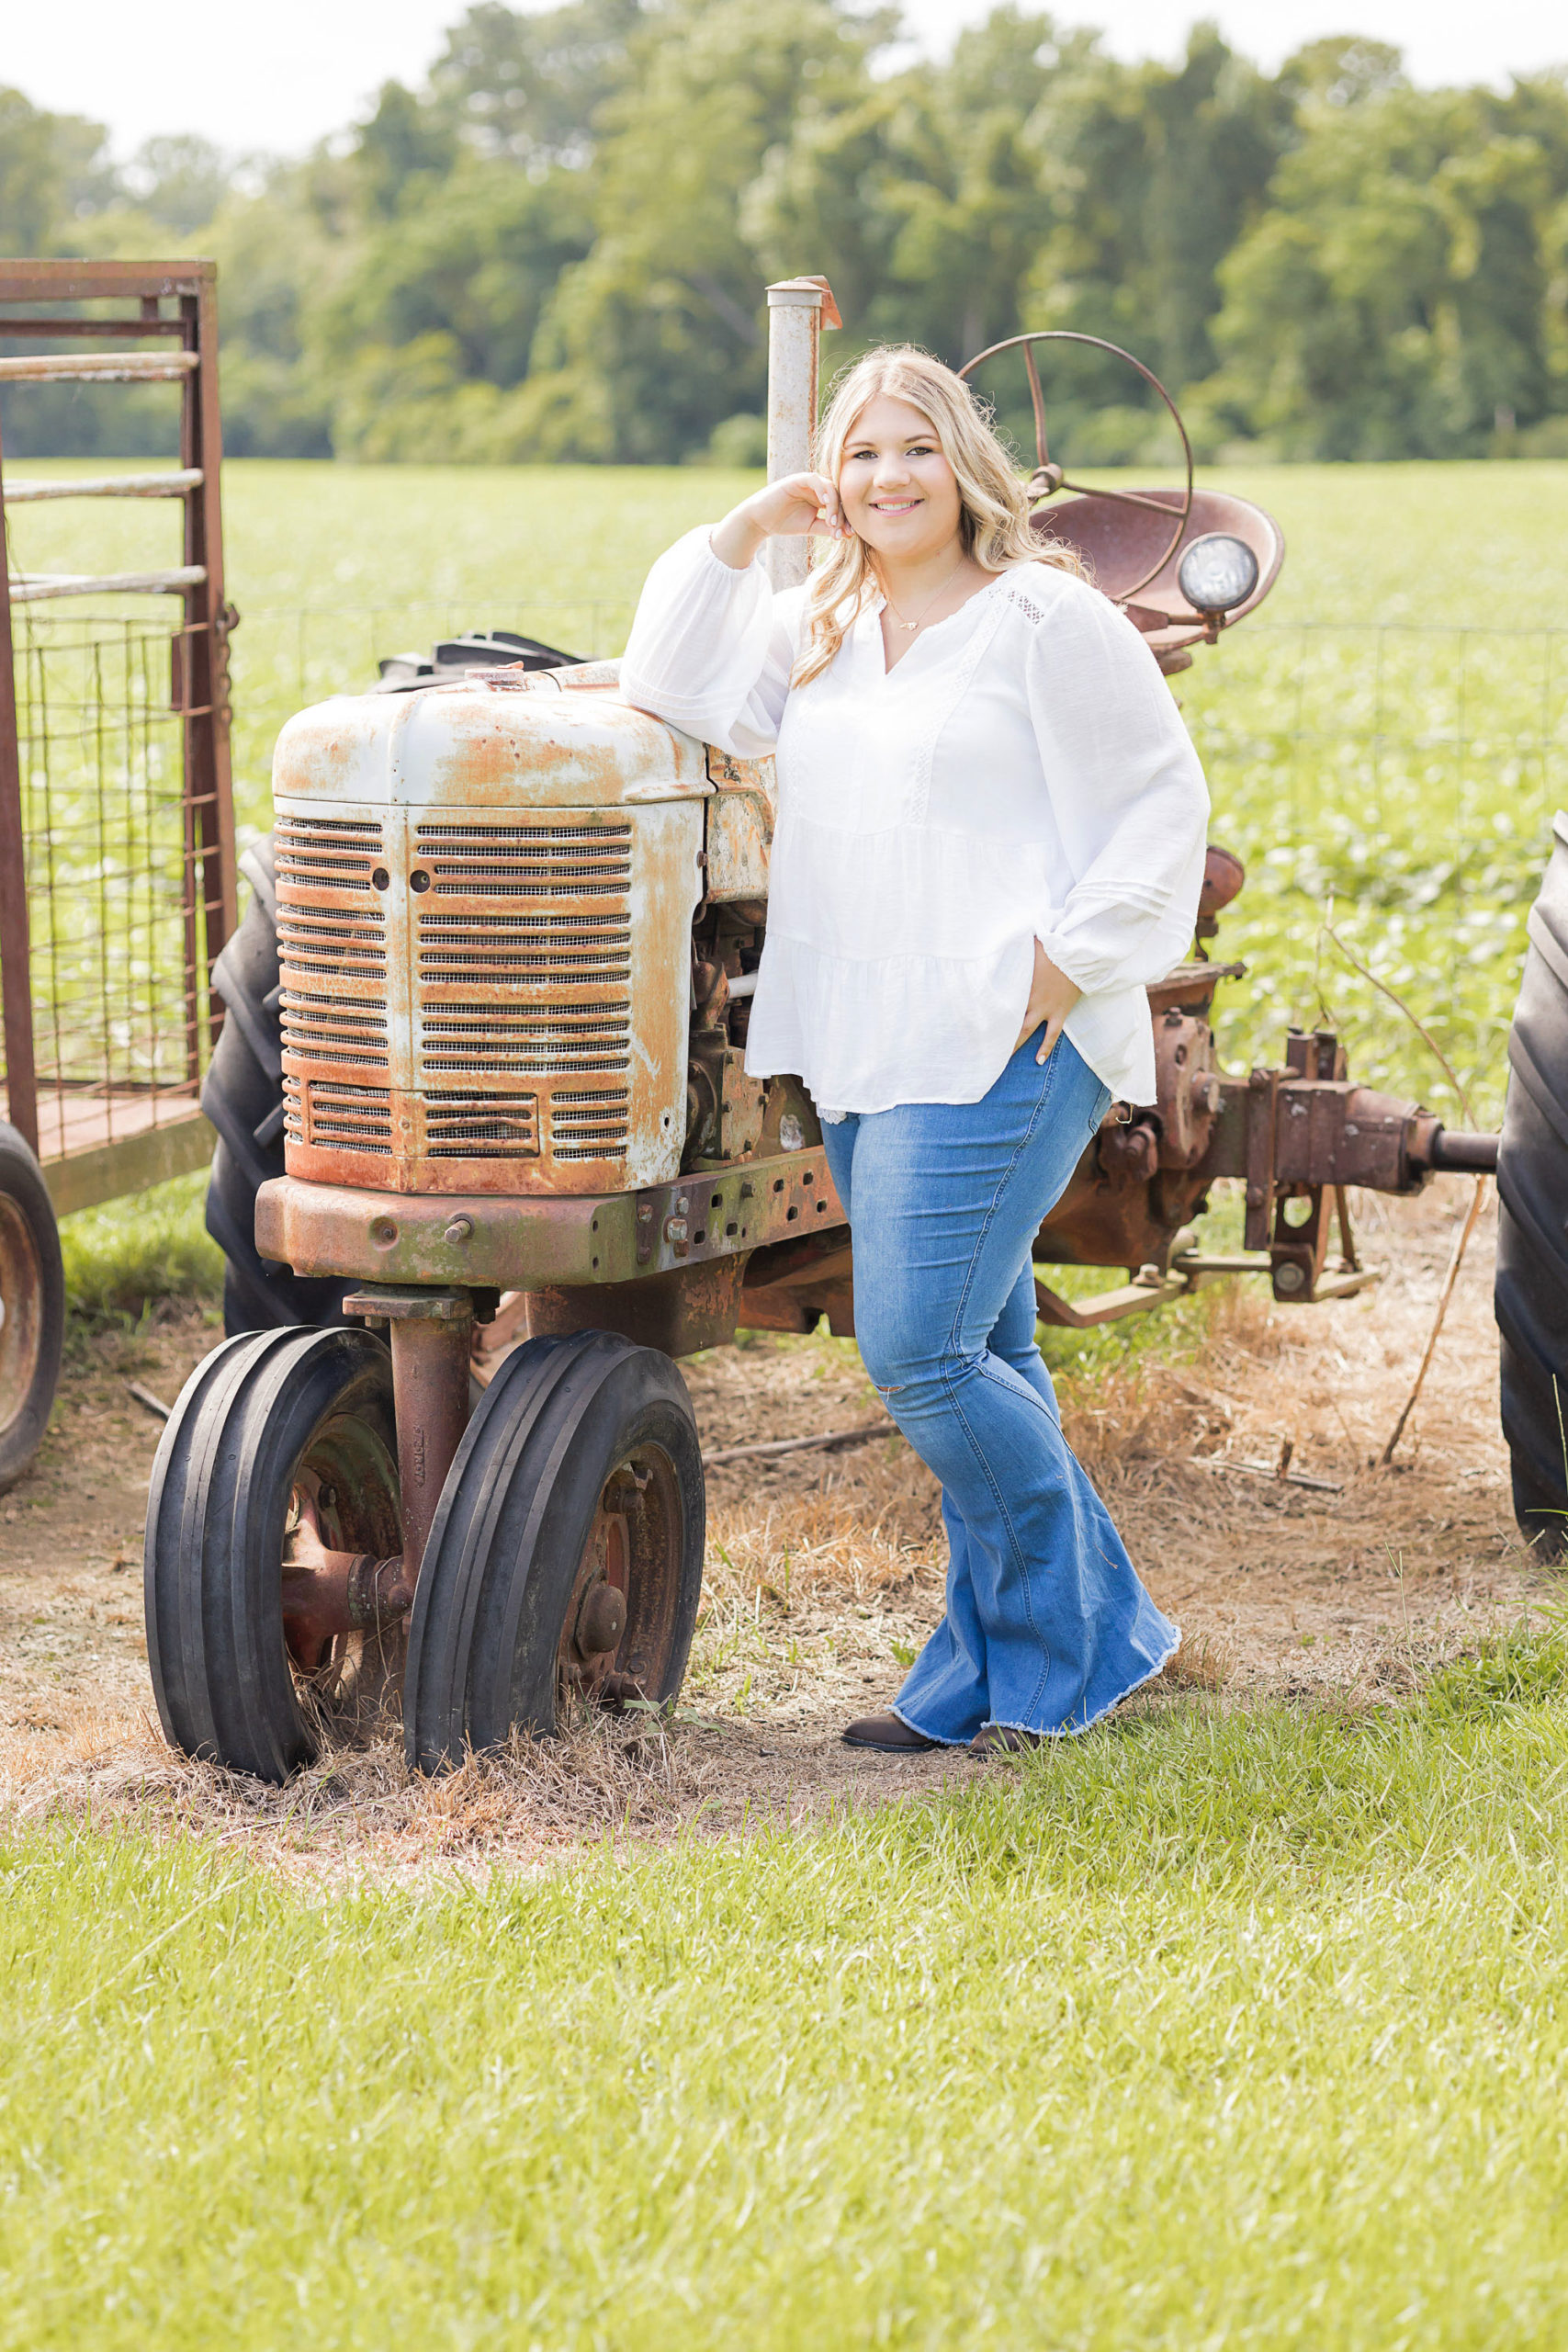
[554,250]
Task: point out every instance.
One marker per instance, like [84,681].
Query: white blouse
[1022,774]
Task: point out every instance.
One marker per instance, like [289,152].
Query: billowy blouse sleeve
[711,649]
[1127,793]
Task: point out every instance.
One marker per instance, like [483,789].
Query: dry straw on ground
[825,1575]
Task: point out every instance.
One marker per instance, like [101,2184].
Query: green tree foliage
[1397,299]
[555,248]
[55,171]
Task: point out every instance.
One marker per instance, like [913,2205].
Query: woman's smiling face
[899,494]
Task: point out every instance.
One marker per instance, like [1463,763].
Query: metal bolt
[600,1622]
[461,1229]
[675,1229]
[1290,1277]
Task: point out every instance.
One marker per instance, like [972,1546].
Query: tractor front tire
[272,1430]
[1532,1295]
[242,1096]
[32,1307]
[566,1561]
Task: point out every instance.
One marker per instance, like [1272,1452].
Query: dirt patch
[825,1573]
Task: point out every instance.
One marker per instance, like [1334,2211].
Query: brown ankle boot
[1005,1739]
[887,1733]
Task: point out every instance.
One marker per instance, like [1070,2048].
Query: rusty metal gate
[116,840]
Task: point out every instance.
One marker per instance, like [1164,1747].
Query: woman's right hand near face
[795,507]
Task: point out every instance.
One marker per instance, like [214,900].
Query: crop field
[1238,2022]
[1387,738]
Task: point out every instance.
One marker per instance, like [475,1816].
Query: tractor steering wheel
[1048,477]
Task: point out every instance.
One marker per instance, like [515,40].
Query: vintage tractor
[488,1017]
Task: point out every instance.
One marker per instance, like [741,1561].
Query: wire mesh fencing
[118,926]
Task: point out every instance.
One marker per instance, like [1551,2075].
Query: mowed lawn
[1200,2033]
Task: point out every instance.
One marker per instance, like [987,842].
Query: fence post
[211,881]
[16,948]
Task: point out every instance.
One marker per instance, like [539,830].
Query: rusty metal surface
[798,309]
[680,1311]
[619,1623]
[1224,875]
[327,1595]
[790,1284]
[739,836]
[133,1026]
[429,1393]
[345,1633]
[1162,536]
[1452,1152]
[1131,541]
[1142,1295]
[1116,542]
[535,1240]
[484,909]
[100,368]
[15,970]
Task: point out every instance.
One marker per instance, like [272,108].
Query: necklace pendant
[909,627]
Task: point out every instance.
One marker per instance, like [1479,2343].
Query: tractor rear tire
[566,1560]
[1531,1293]
[242,1096]
[32,1307]
[271,1428]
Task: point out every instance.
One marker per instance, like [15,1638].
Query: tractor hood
[505,740]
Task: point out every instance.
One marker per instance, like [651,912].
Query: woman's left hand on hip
[1052,997]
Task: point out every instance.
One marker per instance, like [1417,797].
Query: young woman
[990,836]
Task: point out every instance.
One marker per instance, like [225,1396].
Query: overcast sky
[277,76]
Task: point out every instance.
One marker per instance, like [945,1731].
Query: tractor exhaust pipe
[798,309]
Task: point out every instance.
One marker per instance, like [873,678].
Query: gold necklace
[910,626]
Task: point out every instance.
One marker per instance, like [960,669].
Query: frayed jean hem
[934,1735]
[1077,1731]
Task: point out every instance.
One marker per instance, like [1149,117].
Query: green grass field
[1197,2032]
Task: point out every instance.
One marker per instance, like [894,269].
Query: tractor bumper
[536,1242]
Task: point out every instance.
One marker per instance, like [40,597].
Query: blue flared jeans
[1047,1624]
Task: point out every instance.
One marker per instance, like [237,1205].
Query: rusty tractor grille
[334,1029]
[526,861]
[323,858]
[566,1039]
[589,1123]
[327,853]
[331,944]
[467,1124]
[342,1117]
[563,951]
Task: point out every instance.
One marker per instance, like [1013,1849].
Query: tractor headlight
[1217,573]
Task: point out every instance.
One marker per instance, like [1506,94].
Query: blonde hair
[993,518]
